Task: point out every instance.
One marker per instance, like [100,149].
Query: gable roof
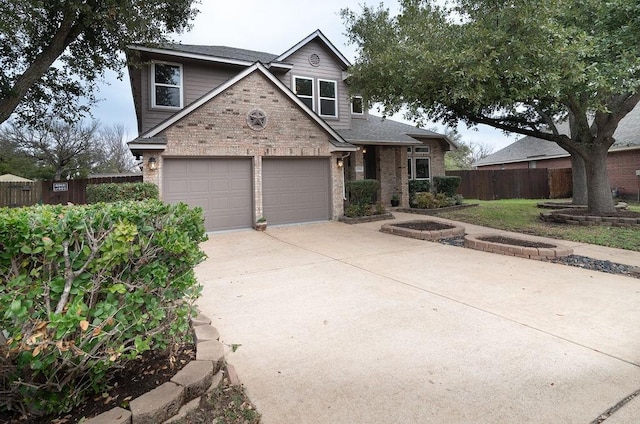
[221,54]
[529,148]
[153,140]
[317,34]
[10,178]
[381,131]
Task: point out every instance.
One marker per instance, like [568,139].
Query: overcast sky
[269,26]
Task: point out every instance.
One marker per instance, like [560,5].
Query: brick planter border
[540,253]
[587,220]
[435,235]
[363,219]
[174,399]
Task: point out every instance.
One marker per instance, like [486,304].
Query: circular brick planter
[476,242]
[586,220]
[448,231]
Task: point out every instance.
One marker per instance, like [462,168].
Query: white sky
[268,26]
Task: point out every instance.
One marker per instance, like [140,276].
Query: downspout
[344,187]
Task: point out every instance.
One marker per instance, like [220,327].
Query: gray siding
[329,69]
[198,80]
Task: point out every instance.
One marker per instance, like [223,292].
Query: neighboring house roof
[529,148]
[378,130]
[319,35]
[151,141]
[10,178]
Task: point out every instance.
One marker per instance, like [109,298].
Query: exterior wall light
[152,164]
[340,162]
[364,150]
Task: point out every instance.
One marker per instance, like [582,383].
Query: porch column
[402,176]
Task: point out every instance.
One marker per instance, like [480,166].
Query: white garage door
[222,187]
[295,190]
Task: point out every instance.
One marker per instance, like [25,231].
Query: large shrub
[362,192]
[84,288]
[447,185]
[418,186]
[114,192]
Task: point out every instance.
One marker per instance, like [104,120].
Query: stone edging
[435,235]
[436,211]
[174,399]
[539,253]
[567,218]
[368,218]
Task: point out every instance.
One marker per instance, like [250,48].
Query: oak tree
[522,66]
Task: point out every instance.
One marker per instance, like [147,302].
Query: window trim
[153,82]
[362,104]
[335,98]
[415,167]
[313,89]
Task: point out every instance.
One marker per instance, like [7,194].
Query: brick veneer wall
[219,129]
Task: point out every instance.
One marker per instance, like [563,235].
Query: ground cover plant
[86,289]
[523,216]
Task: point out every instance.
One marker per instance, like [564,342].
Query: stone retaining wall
[174,399]
[434,235]
[566,218]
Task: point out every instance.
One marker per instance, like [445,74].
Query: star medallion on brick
[257,120]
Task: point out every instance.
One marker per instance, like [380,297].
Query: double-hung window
[166,85]
[328,96]
[303,88]
[418,163]
[357,105]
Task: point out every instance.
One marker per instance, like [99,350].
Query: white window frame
[421,150]
[152,79]
[334,99]
[362,101]
[414,167]
[304,96]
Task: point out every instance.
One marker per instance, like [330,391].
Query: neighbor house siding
[329,69]
[219,129]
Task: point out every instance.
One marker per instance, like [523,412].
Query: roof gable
[317,34]
[152,134]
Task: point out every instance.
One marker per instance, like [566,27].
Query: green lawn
[522,215]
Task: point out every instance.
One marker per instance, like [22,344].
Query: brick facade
[219,128]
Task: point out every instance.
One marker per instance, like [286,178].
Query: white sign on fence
[60,187]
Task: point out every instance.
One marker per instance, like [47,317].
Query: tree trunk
[598,187]
[579,180]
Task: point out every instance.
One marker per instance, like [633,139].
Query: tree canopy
[521,66]
[54,52]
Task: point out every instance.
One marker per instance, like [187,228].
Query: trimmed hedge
[447,185]
[85,288]
[114,192]
[362,192]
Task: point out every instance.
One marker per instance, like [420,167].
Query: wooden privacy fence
[540,183]
[54,192]
[16,194]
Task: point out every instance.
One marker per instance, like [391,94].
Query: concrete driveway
[344,324]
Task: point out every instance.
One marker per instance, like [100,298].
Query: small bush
[433,201]
[379,209]
[114,192]
[85,288]
[362,192]
[418,186]
[355,210]
[447,185]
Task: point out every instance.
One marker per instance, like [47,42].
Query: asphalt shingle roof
[378,130]
[531,148]
[223,52]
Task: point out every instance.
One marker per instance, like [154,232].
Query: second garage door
[296,190]
[222,187]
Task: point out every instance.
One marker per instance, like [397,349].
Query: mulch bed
[424,226]
[516,242]
[135,379]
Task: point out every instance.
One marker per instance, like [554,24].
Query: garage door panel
[223,188]
[296,190]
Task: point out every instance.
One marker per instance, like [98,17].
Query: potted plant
[395,200]
[261,224]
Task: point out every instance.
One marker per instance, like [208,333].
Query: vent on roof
[314,59]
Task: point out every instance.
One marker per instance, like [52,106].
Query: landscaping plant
[85,288]
[113,192]
[361,196]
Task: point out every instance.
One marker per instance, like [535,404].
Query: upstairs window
[328,98]
[357,105]
[166,85]
[303,88]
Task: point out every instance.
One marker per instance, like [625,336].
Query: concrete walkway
[344,324]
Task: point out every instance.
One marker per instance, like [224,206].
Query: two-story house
[246,134]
